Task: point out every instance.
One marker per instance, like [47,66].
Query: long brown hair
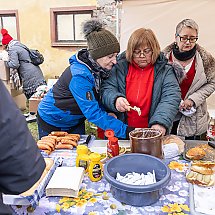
[142,37]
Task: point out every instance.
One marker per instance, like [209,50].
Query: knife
[212,144]
[87,140]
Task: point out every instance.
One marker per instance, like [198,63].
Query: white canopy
[162,16]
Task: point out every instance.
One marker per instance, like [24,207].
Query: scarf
[97,71]
[183,56]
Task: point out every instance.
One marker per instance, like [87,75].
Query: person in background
[197,80]
[18,58]
[143,78]
[21,163]
[76,95]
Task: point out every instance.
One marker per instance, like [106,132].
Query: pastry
[200,179]
[202,170]
[195,153]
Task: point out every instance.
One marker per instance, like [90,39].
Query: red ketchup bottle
[112,145]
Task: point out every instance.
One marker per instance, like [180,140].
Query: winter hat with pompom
[101,42]
[6,38]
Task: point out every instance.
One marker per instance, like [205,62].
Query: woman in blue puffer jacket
[76,95]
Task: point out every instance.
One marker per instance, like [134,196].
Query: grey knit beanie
[101,42]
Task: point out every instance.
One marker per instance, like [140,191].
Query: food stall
[177,197]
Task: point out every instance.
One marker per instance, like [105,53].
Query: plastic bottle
[95,167]
[82,159]
[112,145]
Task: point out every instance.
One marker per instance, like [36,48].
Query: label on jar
[112,150]
[97,171]
[83,163]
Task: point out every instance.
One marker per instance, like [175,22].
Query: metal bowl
[146,141]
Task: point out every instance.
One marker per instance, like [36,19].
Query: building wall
[34,25]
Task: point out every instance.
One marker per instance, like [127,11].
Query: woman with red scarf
[197,80]
[143,78]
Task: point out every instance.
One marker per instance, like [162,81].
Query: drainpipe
[118,21]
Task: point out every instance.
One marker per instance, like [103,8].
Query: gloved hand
[4,55]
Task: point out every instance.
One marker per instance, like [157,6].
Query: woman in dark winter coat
[19,62]
[76,95]
[197,80]
[143,78]
[31,75]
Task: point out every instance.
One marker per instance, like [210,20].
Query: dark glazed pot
[146,141]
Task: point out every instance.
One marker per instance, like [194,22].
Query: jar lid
[109,133]
[82,149]
[95,156]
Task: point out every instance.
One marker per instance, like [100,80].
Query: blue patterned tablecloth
[97,199]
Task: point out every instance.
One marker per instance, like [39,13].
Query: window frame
[15,14]
[63,11]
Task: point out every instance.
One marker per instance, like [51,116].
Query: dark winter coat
[31,75]
[21,163]
[166,92]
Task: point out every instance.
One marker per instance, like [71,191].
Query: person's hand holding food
[122,104]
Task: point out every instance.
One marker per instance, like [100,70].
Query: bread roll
[195,153]
[201,169]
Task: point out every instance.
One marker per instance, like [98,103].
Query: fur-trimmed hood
[207,59]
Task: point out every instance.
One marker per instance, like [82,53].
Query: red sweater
[139,86]
[186,83]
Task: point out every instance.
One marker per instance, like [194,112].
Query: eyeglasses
[185,39]
[145,52]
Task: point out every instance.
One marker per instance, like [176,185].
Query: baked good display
[195,153]
[49,163]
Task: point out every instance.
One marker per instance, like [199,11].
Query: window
[66,25]
[9,21]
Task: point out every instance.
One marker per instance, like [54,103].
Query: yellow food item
[195,153]
[95,167]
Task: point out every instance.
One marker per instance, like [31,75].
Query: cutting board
[210,152]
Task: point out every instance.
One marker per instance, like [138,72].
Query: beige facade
[34,24]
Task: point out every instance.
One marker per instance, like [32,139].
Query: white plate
[99,150]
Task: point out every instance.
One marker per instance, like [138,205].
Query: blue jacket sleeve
[80,86]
